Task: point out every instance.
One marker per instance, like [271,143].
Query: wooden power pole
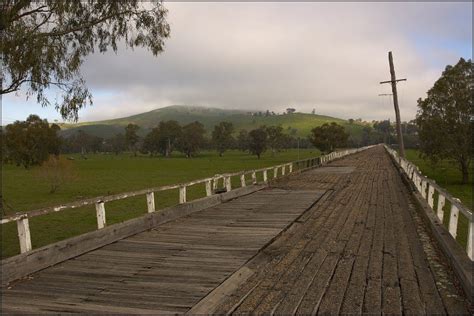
[394,81]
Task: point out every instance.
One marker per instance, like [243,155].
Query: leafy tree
[243,140]
[410,134]
[30,142]
[4,157]
[169,134]
[329,136]
[131,137]
[192,139]
[445,117]
[367,135]
[290,110]
[151,143]
[118,143]
[385,129]
[258,141]
[56,171]
[222,136]
[44,43]
[275,138]
[81,142]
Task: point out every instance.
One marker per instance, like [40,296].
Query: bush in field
[258,139]
[29,143]
[192,139]
[222,137]
[276,138]
[56,171]
[328,137]
[132,138]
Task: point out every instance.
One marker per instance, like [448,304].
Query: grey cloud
[269,55]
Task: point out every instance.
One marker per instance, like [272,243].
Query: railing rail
[429,190]
[211,184]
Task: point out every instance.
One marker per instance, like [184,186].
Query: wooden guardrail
[432,192]
[211,186]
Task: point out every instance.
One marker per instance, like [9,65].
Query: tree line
[31,142]
[170,136]
[384,132]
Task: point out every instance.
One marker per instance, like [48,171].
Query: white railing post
[265,176]
[24,236]
[470,238]
[453,221]
[215,183]
[423,189]
[440,212]
[283,170]
[100,212]
[254,178]
[228,185]
[242,180]
[275,172]
[291,167]
[431,196]
[182,194]
[209,188]
[150,202]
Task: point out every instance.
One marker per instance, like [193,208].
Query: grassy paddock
[105,174]
[447,175]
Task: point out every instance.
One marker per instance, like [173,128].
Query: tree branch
[37,10]
[84,26]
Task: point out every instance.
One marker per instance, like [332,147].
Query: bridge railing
[438,200]
[211,186]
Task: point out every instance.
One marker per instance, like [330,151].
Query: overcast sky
[258,56]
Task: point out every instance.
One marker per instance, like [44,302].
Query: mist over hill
[299,124]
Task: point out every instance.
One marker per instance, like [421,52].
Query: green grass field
[105,174]
[447,175]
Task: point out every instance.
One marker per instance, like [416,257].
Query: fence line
[430,191]
[211,185]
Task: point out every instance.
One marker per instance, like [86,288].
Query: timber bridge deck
[346,237]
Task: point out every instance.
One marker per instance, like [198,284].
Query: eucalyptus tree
[44,43]
[445,118]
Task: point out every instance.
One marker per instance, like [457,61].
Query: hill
[301,122]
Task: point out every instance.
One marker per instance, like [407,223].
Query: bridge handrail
[211,184]
[428,188]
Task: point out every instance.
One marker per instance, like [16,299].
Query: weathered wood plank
[186,258]
[21,265]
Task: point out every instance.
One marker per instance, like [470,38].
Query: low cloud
[252,56]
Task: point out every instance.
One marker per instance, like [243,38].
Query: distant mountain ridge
[208,116]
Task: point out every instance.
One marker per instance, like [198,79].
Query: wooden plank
[21,265]
[209,304]
[185,258]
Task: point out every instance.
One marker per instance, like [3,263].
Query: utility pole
[393,81]
[387,133]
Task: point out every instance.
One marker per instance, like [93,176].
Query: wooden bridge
[349,236]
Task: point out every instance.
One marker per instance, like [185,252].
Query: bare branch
[84,26]
[37,10]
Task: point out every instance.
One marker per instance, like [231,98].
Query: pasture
[447,175]
[105,174]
